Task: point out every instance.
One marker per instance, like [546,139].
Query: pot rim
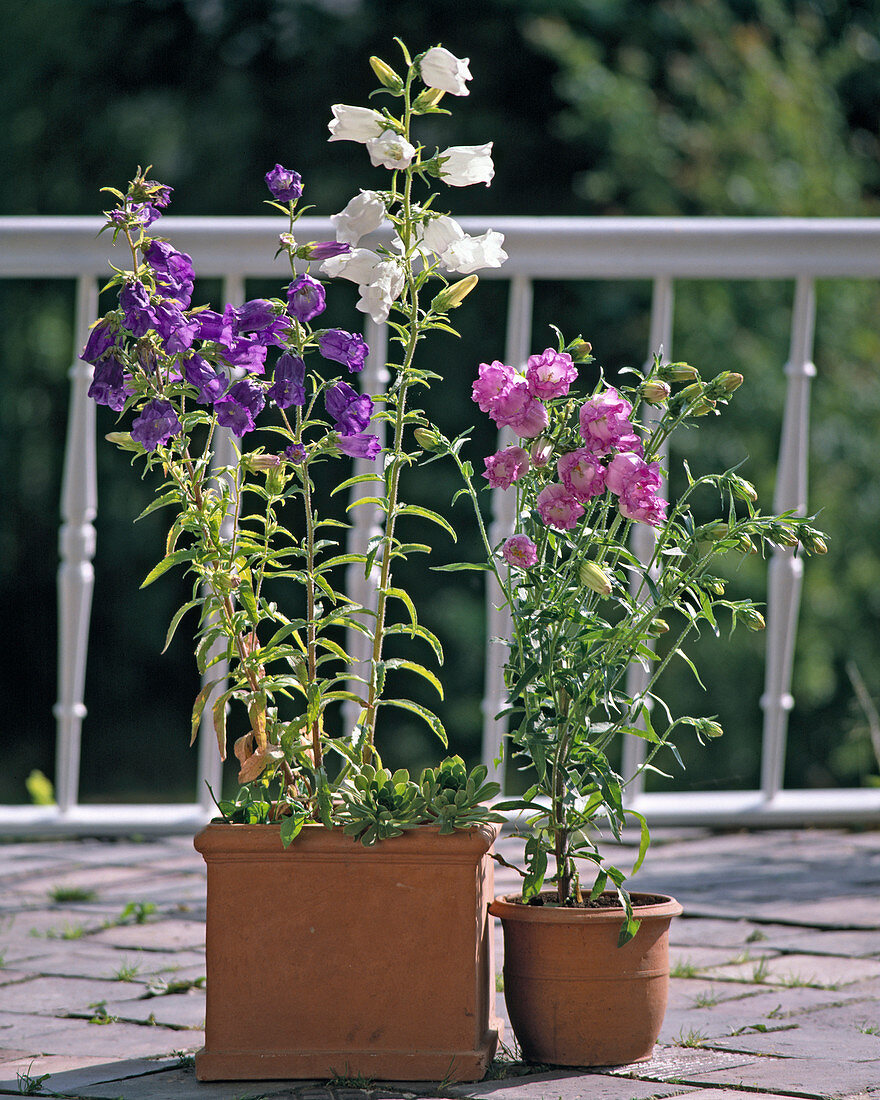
[510,907]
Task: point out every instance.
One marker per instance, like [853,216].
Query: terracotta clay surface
[330,958]
[574,997]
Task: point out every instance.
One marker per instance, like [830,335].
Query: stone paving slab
[67,1073]
[170,934]
[807,1077]
[177,1010]
[803,1040]
[828,971]
[44,995]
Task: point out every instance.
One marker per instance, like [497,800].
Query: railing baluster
[642,538]
[366,521]
[210,766]
[519,335]
[785,575]
[76,573]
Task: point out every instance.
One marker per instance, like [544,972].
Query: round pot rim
[510,907]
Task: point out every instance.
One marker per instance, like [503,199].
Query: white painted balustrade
[661,250]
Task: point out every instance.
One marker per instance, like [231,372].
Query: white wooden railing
[658,249]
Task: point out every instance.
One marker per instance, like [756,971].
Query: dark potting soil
[603,901]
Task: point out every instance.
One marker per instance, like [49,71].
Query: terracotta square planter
[332,958]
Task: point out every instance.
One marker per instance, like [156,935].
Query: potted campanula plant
[586,963]
[338,892]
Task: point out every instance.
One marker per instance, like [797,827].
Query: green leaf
[459,566]
[400,594]
[644,841]
[176,620]
[167,563]
[347,484]
[161,502]
[199,707]
[219,713]
[426,513]
[426,715]
[418,631]
[419,670]
[291,827]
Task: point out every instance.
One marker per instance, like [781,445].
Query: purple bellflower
[344,347]
[108,384]
[156,425]
[305,298]
[284,183]
[289,385]
[351,411]
[240,407]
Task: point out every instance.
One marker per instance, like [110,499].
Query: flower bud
[427,439]
[428,98]
[541,451]
[123,441]
[753,618]
[255,463]
[678,372]
[702,408]
[658,627]
[745,545]
[782,535]
[450,297]
[276,479]
[594,578]
[813,541]
[580,350]
[655,393]
[715,585]
[742,489]
[723,385]
[706,727]
[387,77]
[712,532]
[731,381]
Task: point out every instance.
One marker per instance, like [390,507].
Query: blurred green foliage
[637,107]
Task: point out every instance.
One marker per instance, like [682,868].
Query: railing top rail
[539,247]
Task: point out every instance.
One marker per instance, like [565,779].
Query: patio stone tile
[181,1084]
[822,970]
[69,1072]
[56,996]
[575,1085]
[701,958]
[734,1094]
[809,941]
[107,882]
[91,962]
[856,911]
[778,1003]
[684,993]
[810,1077]
[807,1039]
[116,1040]
[719,933]
[179,1010]
[161,935]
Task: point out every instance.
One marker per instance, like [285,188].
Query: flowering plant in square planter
[265,564]
[345,915]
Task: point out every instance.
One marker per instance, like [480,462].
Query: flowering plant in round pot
[268,569]
[586,470]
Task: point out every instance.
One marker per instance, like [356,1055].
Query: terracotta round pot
[574,997]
